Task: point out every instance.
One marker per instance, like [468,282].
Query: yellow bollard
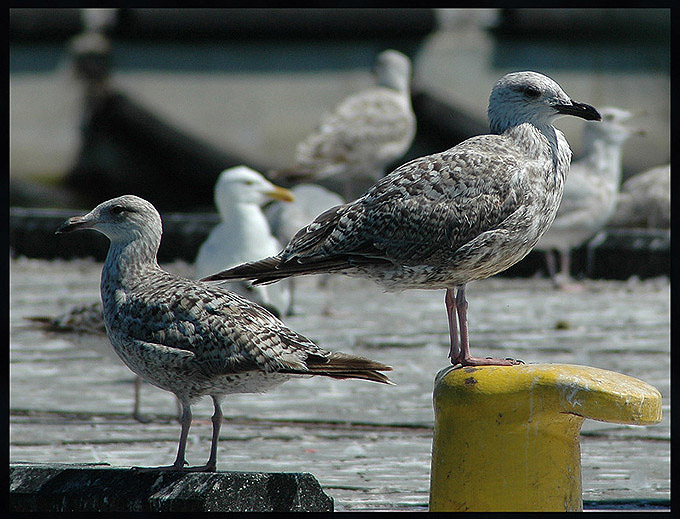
[506,438]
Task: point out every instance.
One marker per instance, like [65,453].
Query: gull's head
[242,185]
[615,127]
[121,219]
[393,70]
[530,97]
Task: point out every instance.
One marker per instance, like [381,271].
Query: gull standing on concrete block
[243,233]
[191,338]
[363,135]
[446,219]
[590,191]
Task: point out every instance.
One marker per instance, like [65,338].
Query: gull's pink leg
[180,461]
[567,282]
[454,350]
[565,264]
[136,414]
[550,262]
[465,358]
[211,466]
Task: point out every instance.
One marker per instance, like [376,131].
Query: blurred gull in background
[590,191]
[645,200]
[363,135]
[244,234]
[82,320]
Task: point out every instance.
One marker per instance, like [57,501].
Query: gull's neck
[128,259]
[398,82]
[603,158]
[246,222]
[544,141]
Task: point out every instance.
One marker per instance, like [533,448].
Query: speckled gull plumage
[188,337]
[590,191]
[244,234]
[449,218]
[365,133]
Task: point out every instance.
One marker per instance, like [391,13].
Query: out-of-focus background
[245,85]
[157,102]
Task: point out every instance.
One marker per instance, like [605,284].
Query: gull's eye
[117,209]
[532,92]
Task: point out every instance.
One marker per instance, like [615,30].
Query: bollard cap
[584,391]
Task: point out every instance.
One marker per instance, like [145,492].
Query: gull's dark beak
[75,223]
[581,110]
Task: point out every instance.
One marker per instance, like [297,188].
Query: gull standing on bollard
[590,191]
[446,219]
[363,134]
[191,338]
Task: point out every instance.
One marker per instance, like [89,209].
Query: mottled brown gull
[191,338]
[446,219]
[85,318]
[364,134]
[590,191]
[242,235]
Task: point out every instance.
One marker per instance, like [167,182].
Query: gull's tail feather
[342,365]
[271,269]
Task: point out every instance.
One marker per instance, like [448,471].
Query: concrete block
[101,488]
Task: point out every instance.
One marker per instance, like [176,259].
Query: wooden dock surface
[368,444]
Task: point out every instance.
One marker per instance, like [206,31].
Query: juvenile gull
[85,318]
[243,233]
[645,200]
[363,134]
[590,191]
[188,337]
[446,219]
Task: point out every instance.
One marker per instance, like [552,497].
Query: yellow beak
[281,193]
